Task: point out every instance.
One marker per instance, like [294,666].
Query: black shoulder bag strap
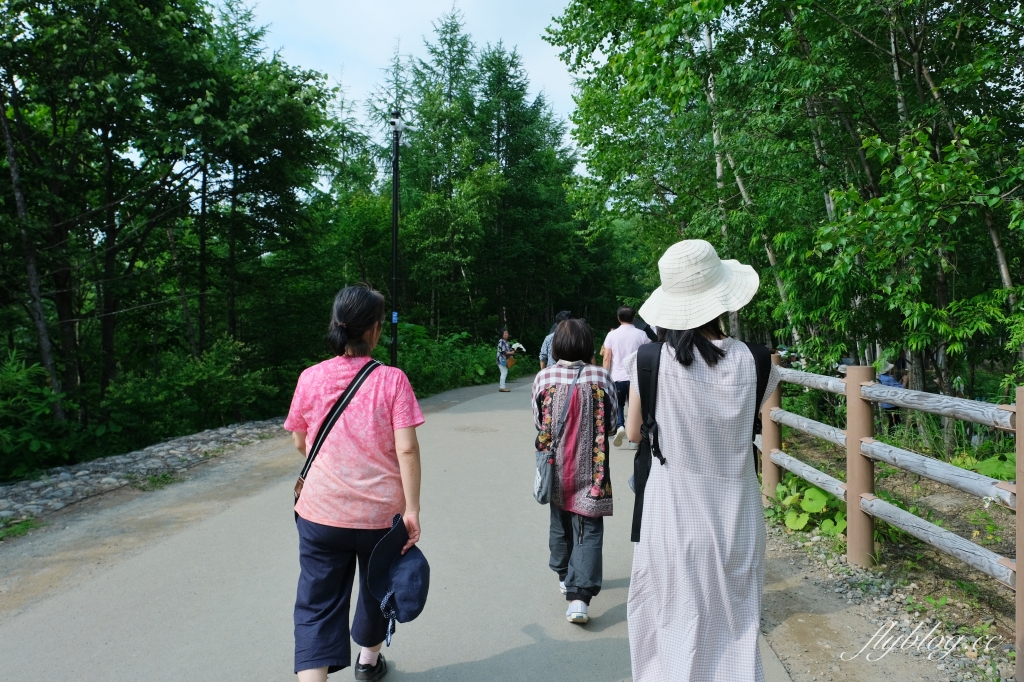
[648,362]
[763,365]
[329,421]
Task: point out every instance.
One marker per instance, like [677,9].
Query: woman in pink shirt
[367,470]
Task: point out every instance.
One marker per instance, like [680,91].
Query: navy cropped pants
[328,558]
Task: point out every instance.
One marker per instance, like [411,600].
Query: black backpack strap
[648,364]
[332,417]
[763,365]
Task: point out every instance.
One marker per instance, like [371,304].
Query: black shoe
[371,673]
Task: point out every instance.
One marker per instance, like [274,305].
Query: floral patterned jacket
[582,478]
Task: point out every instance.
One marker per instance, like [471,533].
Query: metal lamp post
[397,125]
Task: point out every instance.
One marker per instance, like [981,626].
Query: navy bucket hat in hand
[399,582]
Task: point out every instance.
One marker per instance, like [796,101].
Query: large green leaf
[795,520]
[1003,466]
[814,501]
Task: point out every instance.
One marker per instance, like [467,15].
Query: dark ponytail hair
[683,342]
[356,310]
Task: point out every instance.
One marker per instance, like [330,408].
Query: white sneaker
[617,438]
[633,446]
[577,612]
[561,586]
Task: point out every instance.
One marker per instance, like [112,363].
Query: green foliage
[865,158]
[195,202]
[185,395]
[969,588]
[802,506]
[156,482]
[29,438]
[1002,466]
[990,536]
[993,456]
[19,529]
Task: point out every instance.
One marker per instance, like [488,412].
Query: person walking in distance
[574,411]
[547,356]
[694,601]
[620,343]
[367,470]
[504,353]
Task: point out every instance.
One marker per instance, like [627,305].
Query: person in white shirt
[619,345]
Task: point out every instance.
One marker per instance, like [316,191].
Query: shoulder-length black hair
[683,341]
[356,310]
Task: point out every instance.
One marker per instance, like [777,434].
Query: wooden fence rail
[809,426]
[986,561]
[1000,416]
[862,450]
[822,383]
[810,474]
[943,472]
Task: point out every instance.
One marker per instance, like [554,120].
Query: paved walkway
[196,581]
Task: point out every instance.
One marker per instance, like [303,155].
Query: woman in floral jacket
[581,494]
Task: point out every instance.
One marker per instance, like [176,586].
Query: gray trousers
[576,543]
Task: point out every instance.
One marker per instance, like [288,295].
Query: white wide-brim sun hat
[697,286]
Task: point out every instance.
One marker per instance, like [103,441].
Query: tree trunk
[897,77]
[67,319]
[232,320]
[181,292]
[942,359]
[1004,268]
[916,383]
[768,248]
[716,135]
[108,302]
[819,155]
[997,246]
[858,144]
[203,236]
[31,269]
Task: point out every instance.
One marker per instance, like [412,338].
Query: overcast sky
[353,40]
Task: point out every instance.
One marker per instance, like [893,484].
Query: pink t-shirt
[355,481]
[623,342]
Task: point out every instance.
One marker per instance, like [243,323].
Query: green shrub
[802,506]
[185,396]
[29,437]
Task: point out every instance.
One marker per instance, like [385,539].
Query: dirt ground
[954,596]
[971,595]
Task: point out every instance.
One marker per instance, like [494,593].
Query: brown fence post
[860,471]
[771,438]
[1018,584]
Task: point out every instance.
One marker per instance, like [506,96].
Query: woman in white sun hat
[694,601]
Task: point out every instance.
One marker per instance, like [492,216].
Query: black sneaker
[371,673]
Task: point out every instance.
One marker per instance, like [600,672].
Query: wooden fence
[862,451]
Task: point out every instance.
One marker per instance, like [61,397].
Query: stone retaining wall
[61,486]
